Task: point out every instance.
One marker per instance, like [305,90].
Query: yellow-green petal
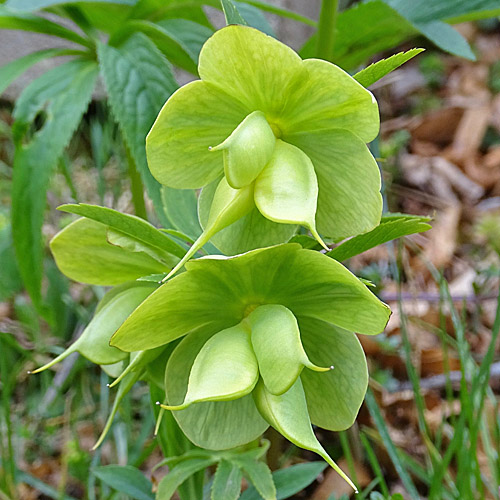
[216,425]
[287,189]
[252,67]
[326,97]
[349,199]
[196,117]
[288,414]
[225,369]
[276,342]
[248,233]
[333,398]
[247,150]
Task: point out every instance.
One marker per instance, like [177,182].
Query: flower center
[249,308]
[276,130]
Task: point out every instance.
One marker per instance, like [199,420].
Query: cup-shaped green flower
[268,340]
[286,138]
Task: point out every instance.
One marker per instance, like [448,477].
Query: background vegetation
[430,426]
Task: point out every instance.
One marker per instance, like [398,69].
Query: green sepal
[139,361]
[248,233]
[93,343]
[225,369]
[247,150]
[288,414]
[278,348]
[228,206]
[333,398]
[215,425]
[287,189]
[215,294]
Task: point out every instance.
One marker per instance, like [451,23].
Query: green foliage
[125,479]
[289,481]
[391,227]
[377,70]
[59,98]
[230,345]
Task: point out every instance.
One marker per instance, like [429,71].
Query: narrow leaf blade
[376,71]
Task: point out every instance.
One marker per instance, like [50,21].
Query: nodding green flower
[274,141]
[267,340]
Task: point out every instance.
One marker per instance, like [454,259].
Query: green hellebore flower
[287,137]
[261,333]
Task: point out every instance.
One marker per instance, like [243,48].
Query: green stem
[326,29]
[136,187]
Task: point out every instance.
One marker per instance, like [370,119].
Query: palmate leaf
[259,475]
[391,226]
[61,95]
[138,80]
[377,70]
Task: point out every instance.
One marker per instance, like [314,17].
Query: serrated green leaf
[61,95]
[225,369]
[227,481]
[180,40]
[216,425]
[259,475]
[16,20]
[231,13]
[169,484]
[82,252]
[376,71]
[289,416]
[125,479]
[131,225]
[390,227]
[139,80]
[277,345]
[290,480]
[12,70]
